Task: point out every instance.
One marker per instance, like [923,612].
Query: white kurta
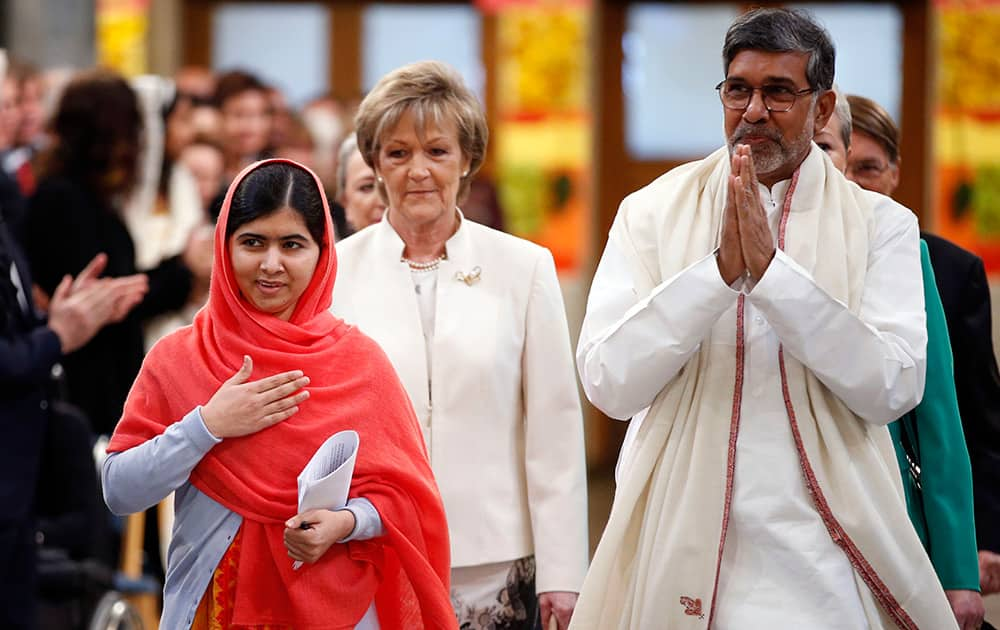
[780,567]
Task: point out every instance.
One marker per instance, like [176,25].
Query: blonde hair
[430,90]
[871,118]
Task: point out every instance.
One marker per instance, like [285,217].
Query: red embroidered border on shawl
[734,429]
[834,528]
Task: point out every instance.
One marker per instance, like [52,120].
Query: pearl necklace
[430,265]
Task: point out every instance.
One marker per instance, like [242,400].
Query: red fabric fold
[353,386]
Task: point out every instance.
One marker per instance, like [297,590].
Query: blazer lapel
[465,311]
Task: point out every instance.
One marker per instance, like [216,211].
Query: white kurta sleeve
[555,466]
[873,361]
[632,345]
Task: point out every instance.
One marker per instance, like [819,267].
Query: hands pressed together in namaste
[747,245]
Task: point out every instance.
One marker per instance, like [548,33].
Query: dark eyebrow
[261,237]
[784,81]
[779,80]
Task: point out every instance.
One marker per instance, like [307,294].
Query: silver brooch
[470,278]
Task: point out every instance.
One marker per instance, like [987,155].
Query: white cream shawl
[658,560]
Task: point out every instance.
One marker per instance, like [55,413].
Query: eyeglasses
[777,98]
[867,169]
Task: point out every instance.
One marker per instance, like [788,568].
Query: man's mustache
[744,130]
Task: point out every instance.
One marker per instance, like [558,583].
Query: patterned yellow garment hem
[215,612]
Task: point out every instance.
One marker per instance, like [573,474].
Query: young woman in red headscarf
[228,411]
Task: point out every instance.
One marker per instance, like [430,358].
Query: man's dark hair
[783,30]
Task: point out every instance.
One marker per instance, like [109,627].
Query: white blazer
[505,434]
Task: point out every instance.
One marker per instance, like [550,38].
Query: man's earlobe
[824,110]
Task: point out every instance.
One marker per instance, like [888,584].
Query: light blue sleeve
[140,477]
[368,523]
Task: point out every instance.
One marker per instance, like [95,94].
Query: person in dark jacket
[961,280]
[29,348]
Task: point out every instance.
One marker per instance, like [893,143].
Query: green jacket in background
[941,510]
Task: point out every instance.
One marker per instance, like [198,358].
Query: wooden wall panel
[345,50]
[915,122]
[196,33]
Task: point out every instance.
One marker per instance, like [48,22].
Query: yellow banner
[122,27]
[545,141]
[966,127]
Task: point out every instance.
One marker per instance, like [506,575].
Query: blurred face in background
[298,143]
[206,163]
[324,118]
[831,140]
[206,121]
[361,201]
[298,153]
[869,165]
[195,81]
[32,111]
[190,119]
[280,116]
[179,131]
[10,112]
[246,123]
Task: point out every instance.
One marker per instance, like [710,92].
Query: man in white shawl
[767,316]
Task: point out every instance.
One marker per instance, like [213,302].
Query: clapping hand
[81,306]
[127,293]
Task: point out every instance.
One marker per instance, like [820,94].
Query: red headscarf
[353,386]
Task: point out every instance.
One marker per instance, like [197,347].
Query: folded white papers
[326,479]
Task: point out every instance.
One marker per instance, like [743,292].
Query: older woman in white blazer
[474,323]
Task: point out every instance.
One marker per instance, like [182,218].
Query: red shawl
[353,386]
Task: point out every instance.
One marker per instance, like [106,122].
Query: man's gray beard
[768,158]
[772,157]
